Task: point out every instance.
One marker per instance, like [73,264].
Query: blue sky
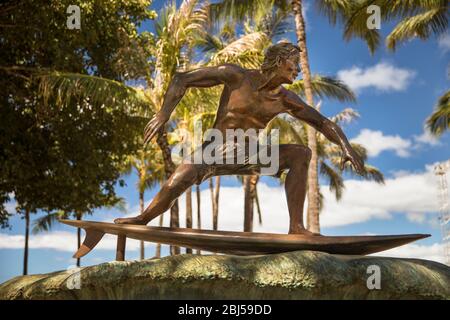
[395,94]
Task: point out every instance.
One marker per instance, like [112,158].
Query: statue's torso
[244,107]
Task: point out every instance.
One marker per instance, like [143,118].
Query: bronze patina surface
[249,100]
[241,243]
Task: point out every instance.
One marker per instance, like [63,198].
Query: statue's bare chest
[248,101]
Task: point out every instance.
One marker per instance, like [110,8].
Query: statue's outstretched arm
[302,111]
[227,74]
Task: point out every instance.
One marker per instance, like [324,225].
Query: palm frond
[325,87]
[334,10]
[120,204]
[46,222]
[353,15]
[239,10]
[178,29]
[65,87]
[206,118]
[275,22]
[434,21]
[439,121]
[246,51]
[336,182]
[334,154]
[209,43]
[417,18]
[287,132]
[373,174]
[360,150]
[345,116]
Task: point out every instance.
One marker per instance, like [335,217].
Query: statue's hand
[153,126]
[354,158]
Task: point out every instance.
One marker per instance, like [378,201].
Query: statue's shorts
[229,159]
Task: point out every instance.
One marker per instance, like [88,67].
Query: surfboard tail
[92,238]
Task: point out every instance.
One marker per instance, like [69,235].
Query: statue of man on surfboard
[249,100]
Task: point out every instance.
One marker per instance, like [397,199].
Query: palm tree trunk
[248,205]
[313,183]
[216,204]
[199,217]
[169,168]
[250,183]
[27,236]
[78,217]
[189,212]
[214,201]
[158,245]
[211,190]
[258,207]
[141,206]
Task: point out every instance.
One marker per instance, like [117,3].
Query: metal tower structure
[444,207]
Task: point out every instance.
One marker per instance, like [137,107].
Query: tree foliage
[439,121]
[66,155]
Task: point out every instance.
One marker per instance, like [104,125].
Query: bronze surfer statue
[249,100]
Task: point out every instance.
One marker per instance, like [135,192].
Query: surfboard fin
[92,238]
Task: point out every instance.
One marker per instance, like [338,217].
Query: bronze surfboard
[240,243]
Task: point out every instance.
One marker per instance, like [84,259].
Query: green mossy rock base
[294,275]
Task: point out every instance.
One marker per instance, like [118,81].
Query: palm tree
[250,199]
[26,212]
[439,121]
[215,201]
[199,217]
[176,30]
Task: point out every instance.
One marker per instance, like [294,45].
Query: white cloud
[444,42]
[366,200]
[58,240]
[382,76]
[434,252]
[416,217]
[376,142]
[10,206]
[426,138]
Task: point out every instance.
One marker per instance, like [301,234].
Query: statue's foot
[132,220]
[303,232]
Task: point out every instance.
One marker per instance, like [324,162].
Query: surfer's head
[282,59]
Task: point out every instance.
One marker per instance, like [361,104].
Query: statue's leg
[183,177]
[295,158]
